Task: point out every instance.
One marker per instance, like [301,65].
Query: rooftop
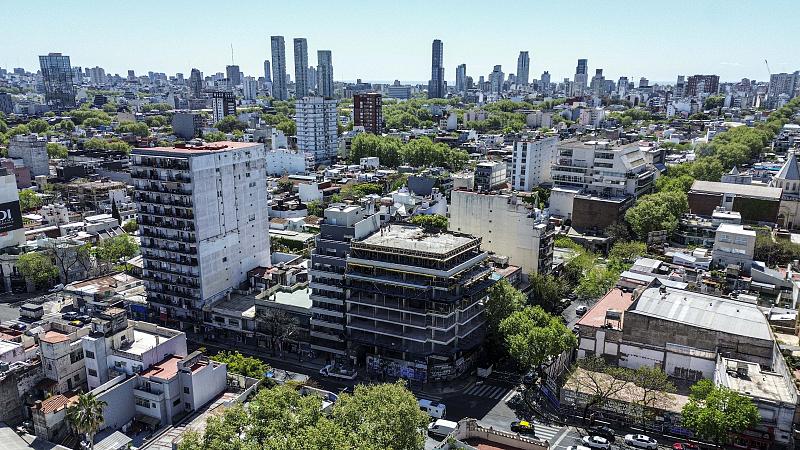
[237,305]
[735,229]
[194,150]
[703,311]
[54,337]
[144,341]
[413,238]
[744,190]
[165,369]
[755,382]
[616,299]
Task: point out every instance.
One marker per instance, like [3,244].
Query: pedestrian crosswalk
[490,391]
[546,432]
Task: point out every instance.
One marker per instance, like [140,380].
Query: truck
[442,427]
[331,371]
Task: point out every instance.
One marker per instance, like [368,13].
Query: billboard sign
[10,216]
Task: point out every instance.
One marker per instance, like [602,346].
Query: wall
[204,384]
[590,213]
[118,395]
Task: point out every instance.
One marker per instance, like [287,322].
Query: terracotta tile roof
[54,337]
[54,403]
[615,299]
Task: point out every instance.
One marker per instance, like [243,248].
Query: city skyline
[383,58]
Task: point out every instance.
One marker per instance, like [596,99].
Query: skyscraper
[196,83]
[581,77]
[267,72]
[436,87]
[680,86]
[223,103]
[234,75]
[279,89]
[300,67]
[782,84]
[325,73]
[312,78]
[59,87]
[523,68]
[545,84]
[202,228]
[702,84]
[496,79]
[461,78]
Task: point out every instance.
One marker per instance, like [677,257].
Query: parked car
[602,431]
[685,446]
[581,310]
[523,427]
[597,442]
[641,441]
[76,323]
[434,409]
[71,315]
[85,318]
[19,326]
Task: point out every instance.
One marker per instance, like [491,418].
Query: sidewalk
[289,361]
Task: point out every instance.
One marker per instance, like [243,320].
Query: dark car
[84,318]
[523,427]
[685,446]
[602,431]
[19,326]
[71,315]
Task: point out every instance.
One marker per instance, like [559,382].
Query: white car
[581,310]
[597,442]
[641,441]
[578,447]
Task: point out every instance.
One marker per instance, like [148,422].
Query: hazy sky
[386,40]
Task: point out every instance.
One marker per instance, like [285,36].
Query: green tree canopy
[716,412]
[243,365]
[28,200]
[38,126]
[136,128]
[230,123]
[86,416]
[655,212]
[547,290]
[115,249]
[432,223]
[533,336]
[37,268]
[56,151]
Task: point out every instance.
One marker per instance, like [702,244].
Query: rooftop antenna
[232,63]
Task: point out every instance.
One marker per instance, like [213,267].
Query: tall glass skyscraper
[461,78]
[325,73]
[436,87]
[523,68]
[59,87]
[280,90]
[300,67]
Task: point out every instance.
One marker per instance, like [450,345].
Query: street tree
[279,325]
[37,268]
[56,151]
[86,416]
[655,389]
[503,301]
[600,381]
[716,412]
[243,365]
[546,290]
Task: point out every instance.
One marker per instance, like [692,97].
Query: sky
[381,41]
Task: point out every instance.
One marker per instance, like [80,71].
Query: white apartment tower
[202,221]
[531,162]
[317,131]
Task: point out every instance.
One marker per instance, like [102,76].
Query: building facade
[32,150]
[368,112]
[523,68]
[317,128]
[280,88]
[58,78]
[301,84]
[532,161]
[325,73]
[202,223]
[223,104]
[436,86]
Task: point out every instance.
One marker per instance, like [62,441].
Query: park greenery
[419,152]
[587,275]
[380,416]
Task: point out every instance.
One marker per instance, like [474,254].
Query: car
[85,318]
[641,441]
[19,326]
[597,442]
[523,427]
[70,315]
[685,446]
[602,431]
[581,310]
[76,323]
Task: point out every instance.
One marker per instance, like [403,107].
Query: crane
[768,71]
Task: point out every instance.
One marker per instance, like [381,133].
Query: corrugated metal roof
[703,311]
[744,190]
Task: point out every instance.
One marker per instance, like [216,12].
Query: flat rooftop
[194,150]
[413,238]
[165,369]
[144,341]
[743,190]
[703,311]
[615,299]
[237,305]
[757,383]
[54,337]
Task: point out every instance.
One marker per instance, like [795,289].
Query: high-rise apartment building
[58,78]
[436,86]
[267,72]
[496,79]
[461,78]
[782,85]
[196,83]
[234,75]
[531,162]
[523,68]
[317,128]
[223,103]
[702,84]
[312,79]
[250,88]
[300,67]
[280,89]
[368,112]
[325,73]
[581,77]
[32,150]
[202,222]
[97,75]
[545,82]
[680,87]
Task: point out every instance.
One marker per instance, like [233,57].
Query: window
[92,373]
[176,402]
[77,377]
[141,402]
[89,354]
[185,390]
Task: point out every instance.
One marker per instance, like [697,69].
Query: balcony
[389,342]
[326,299]
[326,324]
[386,315]
[388,303]
[387,329]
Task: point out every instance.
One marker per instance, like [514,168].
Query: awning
[148,420]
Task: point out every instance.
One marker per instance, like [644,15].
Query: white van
[432,408]
[442,427]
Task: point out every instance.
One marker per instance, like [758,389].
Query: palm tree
[86,416]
